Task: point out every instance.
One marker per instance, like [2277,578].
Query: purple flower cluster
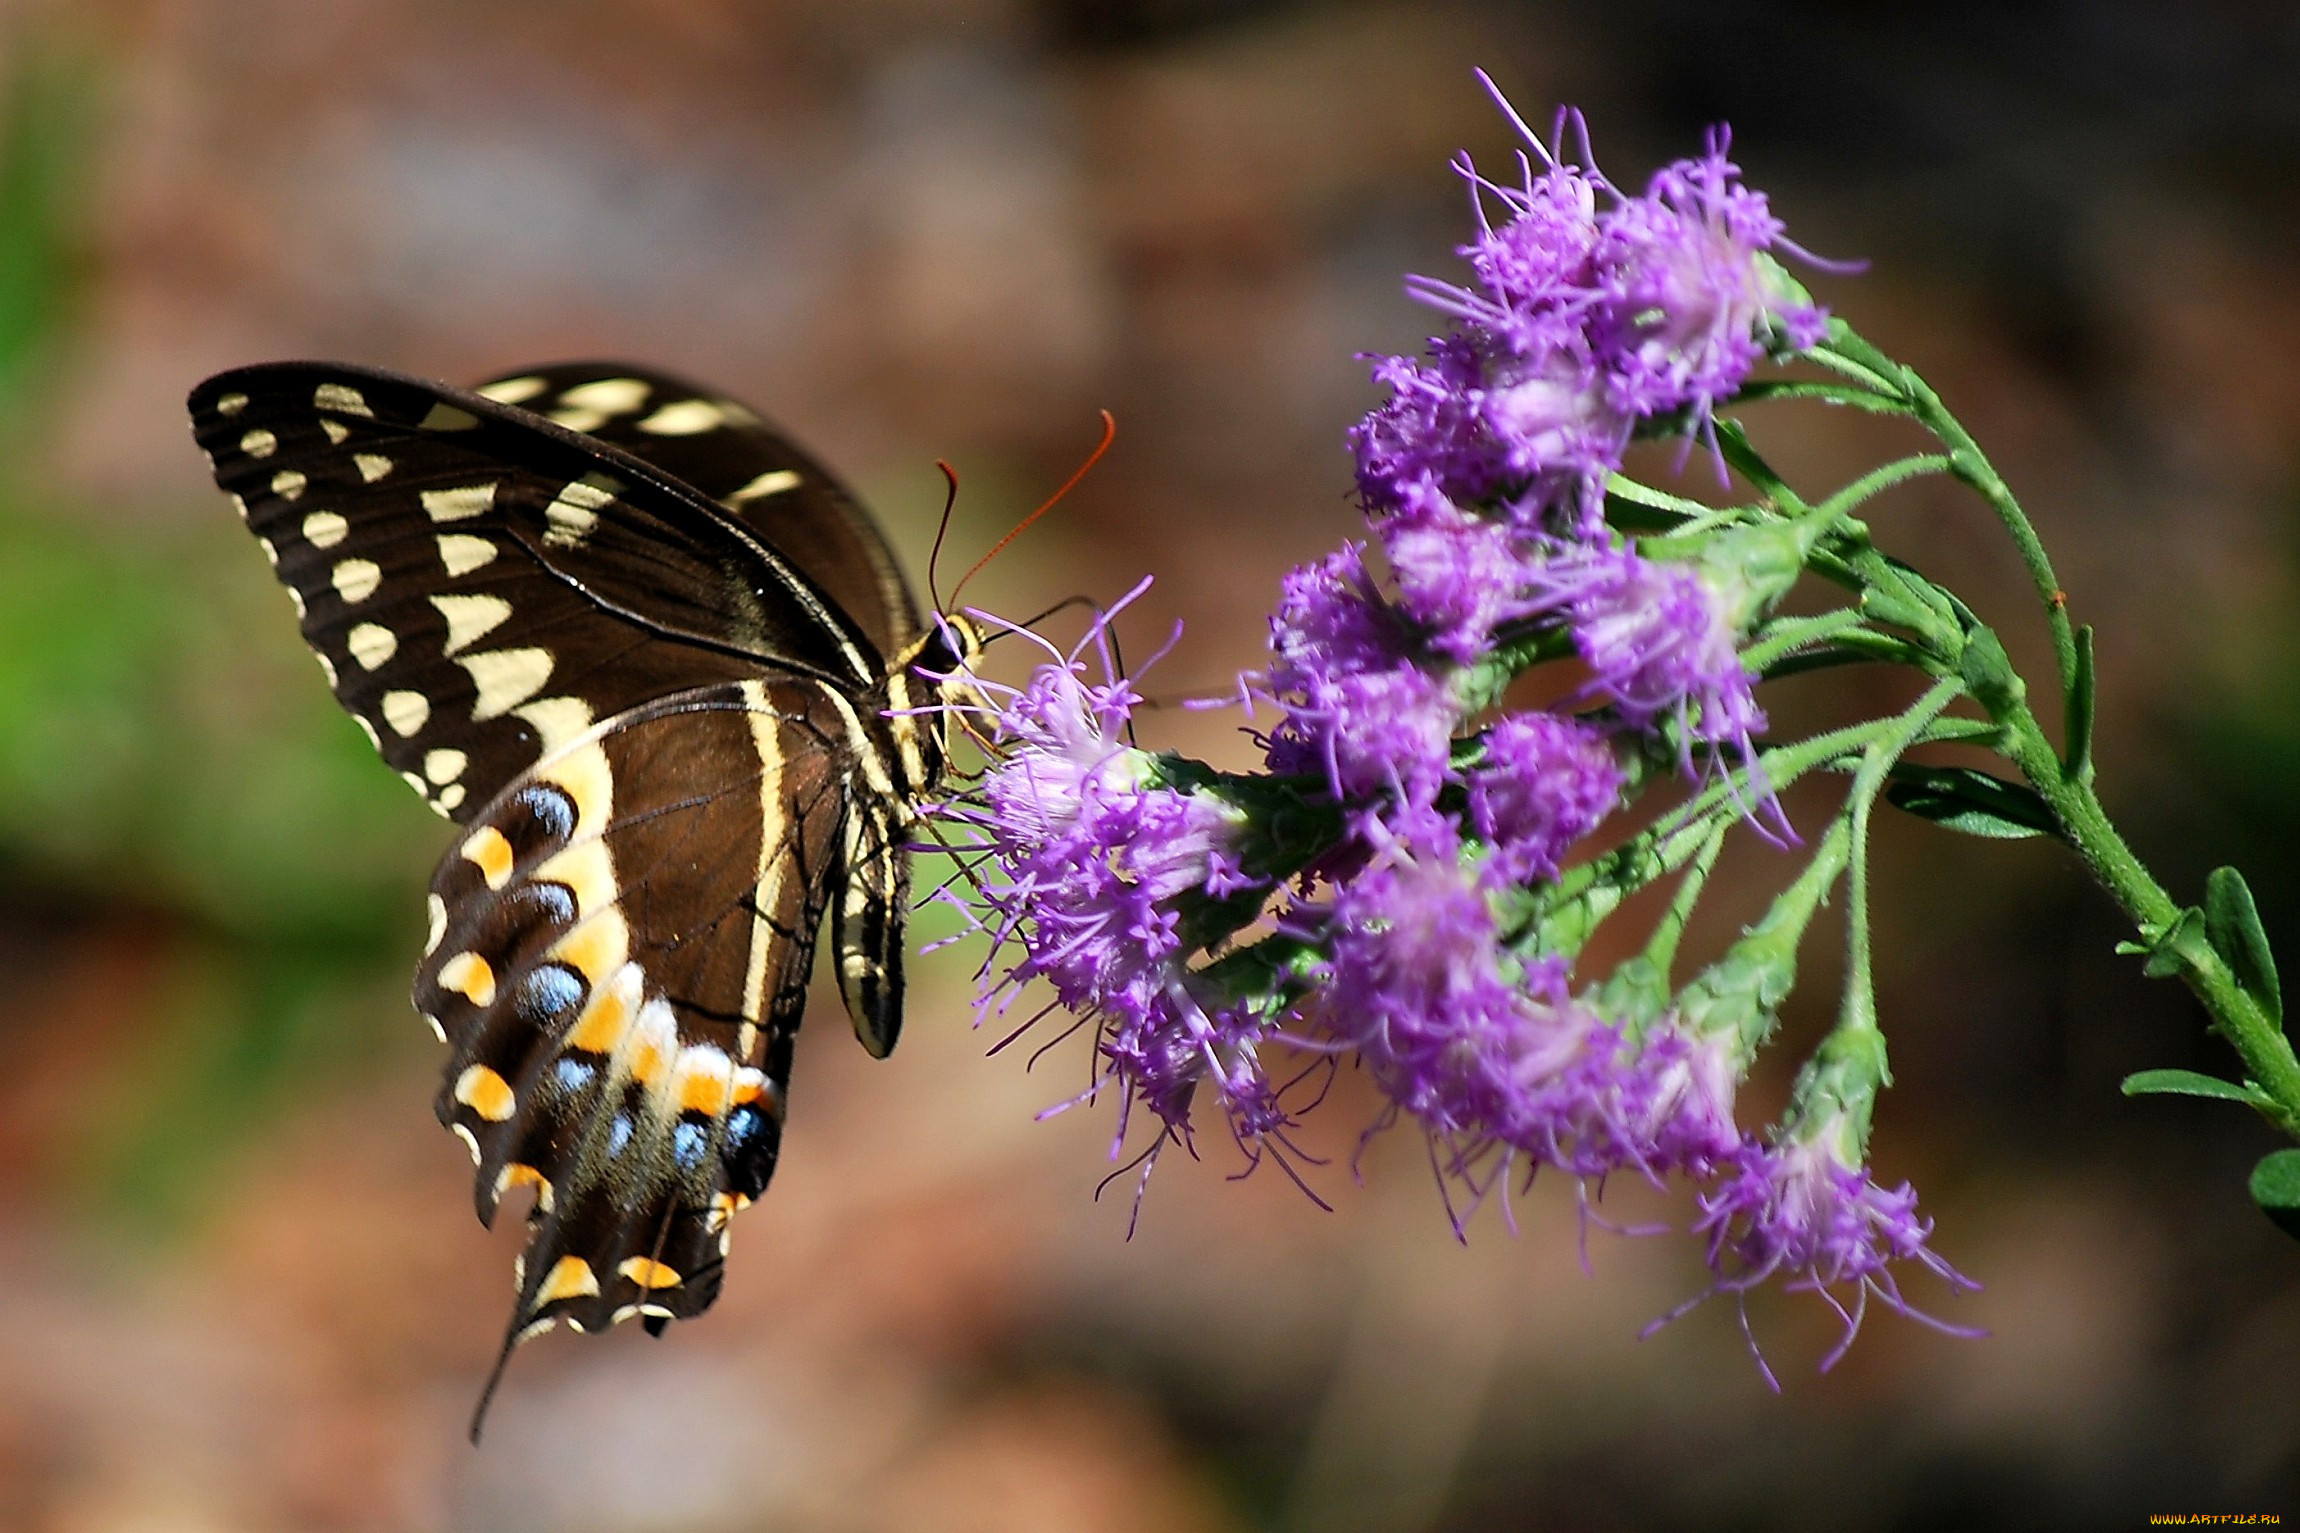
[1122,877]
[1486,1047]
[1483,476]
[1091,867]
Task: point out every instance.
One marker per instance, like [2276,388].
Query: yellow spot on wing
[556,720]
[372,465]
[511,391]
[469,976]
[518,1174]
[458,504]
[596,948]
[288,484]
[609,396]
[701,1080]
[324,529]
[231,404]
[259,443]
[436,908]
[406,712]
[445,417]
[571,1278]
[487,851]
[462,553]
[336,431]
[470,618]
[372,644]
[341,398]
[574,515]
[652,1045]
[442,767]
[485,1093]
[648,1273]
[587,779]
[356,579]
[772,482]
[505,679]
[587,871]
[450,797]
[689,417]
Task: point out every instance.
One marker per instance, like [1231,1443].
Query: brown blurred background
[243,1289]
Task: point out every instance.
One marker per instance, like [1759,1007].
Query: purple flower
[1579,321]
[1545,782]
[1457,576]
[1659,641]
[1093,867]
[1691,288]
[1363,709]
[1799,1211]
[1485,1049]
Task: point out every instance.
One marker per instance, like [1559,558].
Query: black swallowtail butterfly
[655,662]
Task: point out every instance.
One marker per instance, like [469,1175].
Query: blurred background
[243,1286]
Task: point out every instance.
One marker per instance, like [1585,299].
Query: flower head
[1659,640]
[1799,1210]
[1545,781]
[1364,708]
[1095,867]
[1691,289]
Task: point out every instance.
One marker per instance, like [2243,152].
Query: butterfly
[663,673]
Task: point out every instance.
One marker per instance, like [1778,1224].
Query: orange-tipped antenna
[942,529]
[1109,435]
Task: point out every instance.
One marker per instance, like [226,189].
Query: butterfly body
[664,675]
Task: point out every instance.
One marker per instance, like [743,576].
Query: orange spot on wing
[485,1093]
[571,1278]
[491,854]
[468,975]
[604,1021]
[649,1274]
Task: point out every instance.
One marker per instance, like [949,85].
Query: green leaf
[2188,1083]
[1987,670]
[2232,922]
[2276,1188]
[2078,765]
[1972,801]
[2165,957]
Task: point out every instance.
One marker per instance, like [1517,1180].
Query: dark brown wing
[619,955]
[727,453]
[482,583]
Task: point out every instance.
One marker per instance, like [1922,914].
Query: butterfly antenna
[942,530]
[1109,435]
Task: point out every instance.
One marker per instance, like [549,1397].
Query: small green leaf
[2188,1083]
[1971,801]
[1987,671]
[2276,1188]
[2078,765]
[2165,958]
[2232,922]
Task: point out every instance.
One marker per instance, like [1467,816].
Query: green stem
[1970,465]
[2258,1041]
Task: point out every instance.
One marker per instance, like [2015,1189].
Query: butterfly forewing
[723,451]
[637,645]
[481,584]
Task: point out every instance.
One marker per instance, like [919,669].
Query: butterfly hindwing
[619,958]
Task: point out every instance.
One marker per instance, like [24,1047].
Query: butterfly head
[928,684]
